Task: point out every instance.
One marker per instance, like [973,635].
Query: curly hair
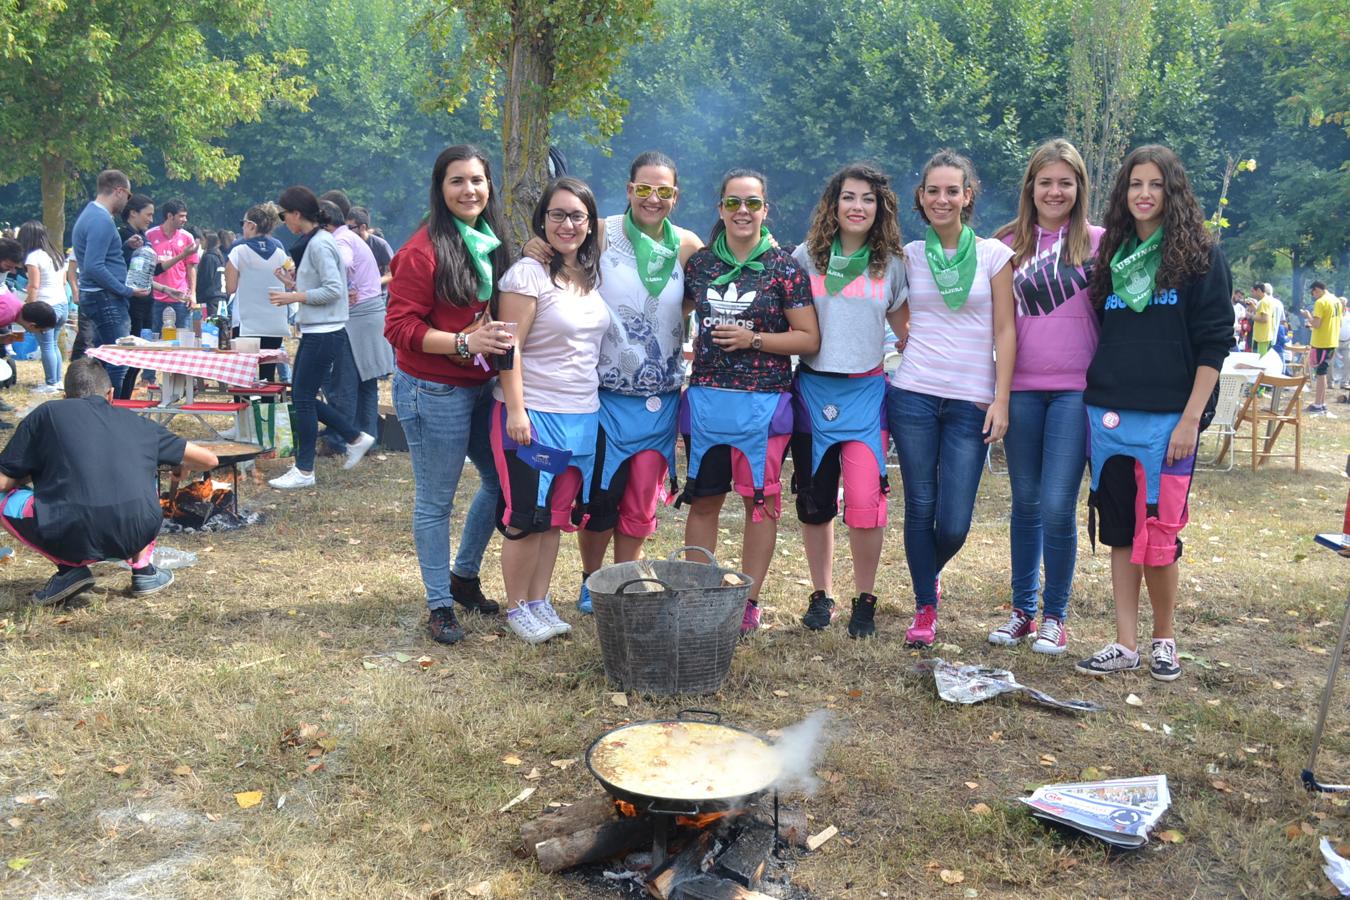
[949,158]
[1186,242]
[1078,240]
[883,236]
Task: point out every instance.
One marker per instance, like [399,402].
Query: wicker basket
[668,626]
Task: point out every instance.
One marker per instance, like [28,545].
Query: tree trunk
[1343,275]
[525,115]
[53,177]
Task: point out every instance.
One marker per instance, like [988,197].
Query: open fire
[203,505]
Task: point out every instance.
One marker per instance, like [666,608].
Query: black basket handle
[712,560]
[691,810]
[687,711]
[623,588]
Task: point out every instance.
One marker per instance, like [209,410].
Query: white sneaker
[48,389]
[544,612]
[293,479]
[358,450]
[528,628]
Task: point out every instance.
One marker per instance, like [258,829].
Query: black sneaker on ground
[860,621]
[1165,666]
[468,593]
[64,585]
[444,627]
[150,582]
[819,611]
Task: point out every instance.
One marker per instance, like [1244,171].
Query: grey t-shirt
[853,322]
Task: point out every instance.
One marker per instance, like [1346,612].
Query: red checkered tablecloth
[228,366]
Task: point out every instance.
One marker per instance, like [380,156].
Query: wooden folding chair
[1285,409]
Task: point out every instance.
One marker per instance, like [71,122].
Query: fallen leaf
[314,767]
[281,801]
[1092,773]
[972,784]
[1133,700]
[952,876]
[830,776]
[817,659]
[1171,836]
[1220,785]
[18,863]
[353,541]
[489,638]
[367,664]
[781,693]
[401,657]
[534,774]
[1047,759]
[563,763]
[981,809]
[426,662]
[1308,829]
[57,771]
[14,822]
[512,760]
[815,841]
[182,770]
[619,699]
[119,770]
[481,889]
[518,798]
[854,694]
[248,799]
[213,817]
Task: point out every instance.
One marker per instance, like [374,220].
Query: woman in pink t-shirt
[949,398]
[545,422]
[1046,441]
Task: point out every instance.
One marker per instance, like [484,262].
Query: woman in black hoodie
[1161,287]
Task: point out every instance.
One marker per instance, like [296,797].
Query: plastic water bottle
[168,328]
[141,269]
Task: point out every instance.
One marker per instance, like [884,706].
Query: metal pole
[1309,779]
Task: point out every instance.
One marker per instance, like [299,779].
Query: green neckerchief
[480,242]
[655,259]
[843,269]
[953,276]
[720,250]
[1134,267]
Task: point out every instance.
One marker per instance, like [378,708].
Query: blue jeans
[358,400]
[50,350]
[112,320]
[313,361]
[1047,451]
[941,449]
[444,424]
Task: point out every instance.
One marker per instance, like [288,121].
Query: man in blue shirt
[104,295]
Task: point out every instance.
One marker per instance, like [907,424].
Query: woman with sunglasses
[948,399]
[752,303]
[320,287]
[250,267]
[545,421]
[856,263]
[641,363]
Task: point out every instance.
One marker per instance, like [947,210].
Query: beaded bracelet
[462,344]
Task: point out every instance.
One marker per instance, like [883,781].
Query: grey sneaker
[1165,667]
[544,612]
[1107,661]
[150,582]
[63,586]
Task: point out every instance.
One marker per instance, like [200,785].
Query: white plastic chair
[1223,427]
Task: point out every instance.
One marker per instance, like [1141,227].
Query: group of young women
[560,377]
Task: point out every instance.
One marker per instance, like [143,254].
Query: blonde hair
[1077,248]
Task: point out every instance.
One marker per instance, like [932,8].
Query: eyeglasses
[576,217]
[751,204]
[643,191]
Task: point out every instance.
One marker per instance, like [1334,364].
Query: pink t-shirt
[10,307]
[950,353]
[562,350]
[363,273]
[175,276]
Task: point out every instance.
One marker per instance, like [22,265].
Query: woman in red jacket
[443,280]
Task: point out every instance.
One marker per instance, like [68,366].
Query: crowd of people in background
[568,373]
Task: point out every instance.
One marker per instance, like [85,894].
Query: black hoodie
[1147,360]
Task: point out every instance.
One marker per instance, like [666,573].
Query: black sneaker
[444,627]
[1165,667]
[819,612]
[64,585]
[860,622]
[468,593]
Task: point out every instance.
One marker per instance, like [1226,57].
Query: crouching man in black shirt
[78,484]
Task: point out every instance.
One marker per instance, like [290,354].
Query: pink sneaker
[1052,638]
[750,621]
[924,630]
[1019,627]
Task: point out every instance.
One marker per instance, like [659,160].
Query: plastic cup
[506,361]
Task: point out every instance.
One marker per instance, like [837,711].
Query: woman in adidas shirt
[1161,287]
[753,311]
[854,260]
[1053,247]
[949,398]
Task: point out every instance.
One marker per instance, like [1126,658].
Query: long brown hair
[884,235]
[1186,242]
[1077,247]
[456,281]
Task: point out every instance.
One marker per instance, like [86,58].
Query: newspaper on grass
[1337,868]
[1119,812]
[972,684]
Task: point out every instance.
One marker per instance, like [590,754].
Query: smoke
[799,748]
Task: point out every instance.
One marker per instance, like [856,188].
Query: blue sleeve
[100,236]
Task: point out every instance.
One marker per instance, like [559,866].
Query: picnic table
[183,365]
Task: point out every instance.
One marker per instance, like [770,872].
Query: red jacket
[413,308]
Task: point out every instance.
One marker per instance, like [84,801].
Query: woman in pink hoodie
[1053,247]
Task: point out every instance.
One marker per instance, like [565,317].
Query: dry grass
[306,620]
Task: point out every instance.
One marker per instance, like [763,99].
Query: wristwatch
[756,341]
